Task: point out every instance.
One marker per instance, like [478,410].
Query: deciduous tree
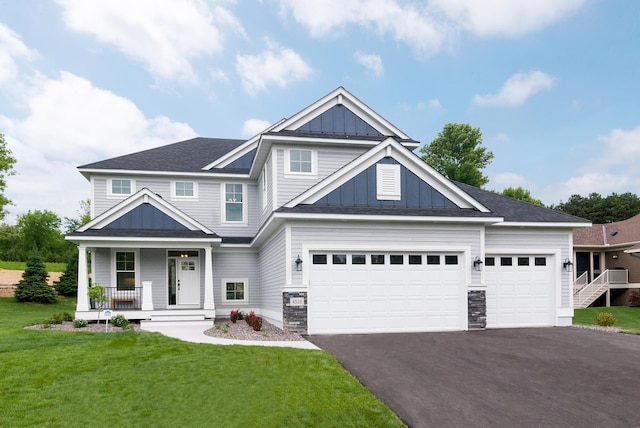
[522,194]
[7,161]
[457,153]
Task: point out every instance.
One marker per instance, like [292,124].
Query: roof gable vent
[388,182]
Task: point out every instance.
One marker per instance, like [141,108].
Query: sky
[553,85]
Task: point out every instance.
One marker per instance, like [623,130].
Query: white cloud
[371,62]
[254,126]
[428,26]
[165,35]
[70,122]
[505,17]
[501,137]
[503,180]
[276,65]
[517,89]
[12,49]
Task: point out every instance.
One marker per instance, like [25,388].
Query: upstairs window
[301,162]
[234,202]
[184,189]
[120,187]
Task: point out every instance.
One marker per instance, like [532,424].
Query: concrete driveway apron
[537,377]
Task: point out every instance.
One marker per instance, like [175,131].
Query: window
[523,261]
[540,261]
[396,259]
[358,259]
[489,261]
[233,202]
[433,260]
[415,259]
[388,182]
[235,290]
[506,261]
[339,259]
[125,270]
[319,259]
[450,260]
[120,187]
[377,259]
[184,189]
[301,161]
[264,187]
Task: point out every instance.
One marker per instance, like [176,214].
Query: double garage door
[520,290]
[380,292]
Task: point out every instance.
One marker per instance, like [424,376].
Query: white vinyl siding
[235,264]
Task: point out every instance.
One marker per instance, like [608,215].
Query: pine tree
[67,285]
[33,286]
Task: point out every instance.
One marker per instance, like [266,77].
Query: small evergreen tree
[67,285]
[33,286]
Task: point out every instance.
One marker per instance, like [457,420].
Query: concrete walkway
[195,334]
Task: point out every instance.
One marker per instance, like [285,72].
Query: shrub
[634,297]
[249,317]
[253,320]
[120,321]
[79,323]
[33,286]
[605,319]
[234,316]
[59,318]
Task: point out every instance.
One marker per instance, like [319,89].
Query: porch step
[176,320]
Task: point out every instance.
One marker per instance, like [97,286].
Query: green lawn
[141,379]
[626,318]
[50,267]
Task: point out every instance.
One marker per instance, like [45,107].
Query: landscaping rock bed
[225,329]
[92,327]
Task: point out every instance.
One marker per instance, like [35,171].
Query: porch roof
[143,233]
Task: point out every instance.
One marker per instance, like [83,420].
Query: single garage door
[381,292]
[520,290]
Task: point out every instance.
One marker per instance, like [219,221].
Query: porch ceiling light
[477,263]
[567,265]
[298,264]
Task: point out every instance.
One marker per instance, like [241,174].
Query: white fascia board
[138,172]
[241,150]
[543,224]
[137,199]
[316,140]
[388,147]
[124,242]
[388,218]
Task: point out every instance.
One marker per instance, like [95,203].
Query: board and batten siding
[328,162]
[516,239]
[236,264]
[385,237]
[273,276]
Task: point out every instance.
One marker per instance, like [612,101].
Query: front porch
[612,284]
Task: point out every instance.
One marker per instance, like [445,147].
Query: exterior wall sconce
[298,264]
[567,265]
[615,256]
[477,264]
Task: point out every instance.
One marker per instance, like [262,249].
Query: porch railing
[121,299]
[588,294]
[581,281]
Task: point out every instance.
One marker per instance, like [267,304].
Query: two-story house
[326,222]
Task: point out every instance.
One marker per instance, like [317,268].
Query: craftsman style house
[326,222]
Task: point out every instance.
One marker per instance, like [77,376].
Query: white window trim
[173,190]
[223,198]
[136,261]
[314,164]
[112,195]
[388,182]
[245,281]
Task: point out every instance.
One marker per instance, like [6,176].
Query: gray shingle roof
[514,210]
[184,156]
[392,211]
[144,233]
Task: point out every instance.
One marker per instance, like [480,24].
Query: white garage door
[385,292]
[520,290]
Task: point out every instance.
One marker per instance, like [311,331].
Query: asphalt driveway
[543,377]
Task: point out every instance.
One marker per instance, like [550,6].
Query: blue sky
[554,85]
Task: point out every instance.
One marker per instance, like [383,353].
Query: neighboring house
[326,222]
[607,262]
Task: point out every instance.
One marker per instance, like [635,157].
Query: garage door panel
[385,298]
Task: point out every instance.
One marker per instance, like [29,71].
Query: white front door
[184,281]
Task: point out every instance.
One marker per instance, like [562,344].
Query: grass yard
[626,318]
[50,267]
[141,379]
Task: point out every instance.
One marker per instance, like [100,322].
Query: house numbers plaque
[296,301]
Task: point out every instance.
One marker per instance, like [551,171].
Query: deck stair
[585,295]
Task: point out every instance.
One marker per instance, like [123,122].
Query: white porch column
[83,280]
[208,279]
[147,296]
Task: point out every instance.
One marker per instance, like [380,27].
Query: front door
[184,280]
